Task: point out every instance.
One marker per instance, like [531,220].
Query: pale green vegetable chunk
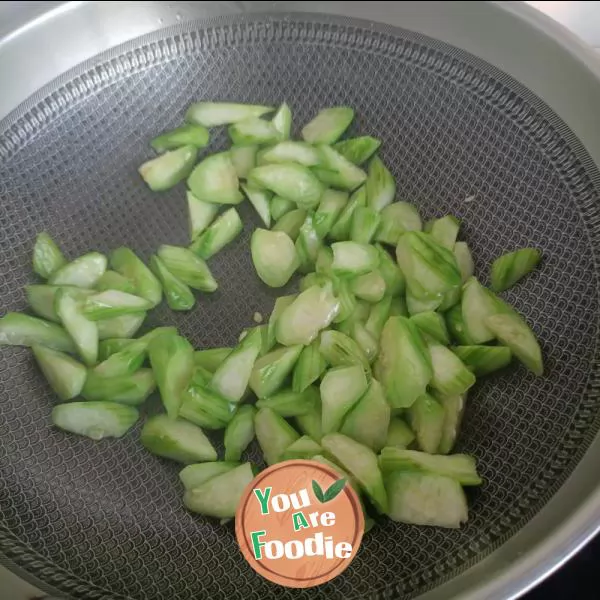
[65,375]
[168,169]
[129,265]
[464,260]
[274,256]
[483,360]
[274,434]
[200,215]
[432,326]
[253,131]
[186,135]
[341,388]
[178,294]
[176,439]
[445,231]
[328,126]
[211,114]
[381,186]
[342,227]
[111,280]
[96,420]
[195,475]
[427,417]
[83,272]
[239,432]
[365,223]
[340,350]
[291,223]
[17,329]
[187,267]
[222,232]
[287,403]
[243,159]
[510,268]
[261,200]
[399,434]
[369,287]
[303,448]
[336,171]
[219,496]
[454,408]
[309,367]
[120,327]
[359,149]
[424,499]
[294,152]
[397,218]
[351,258]
[113,303]
[330,208]
[83,332]
[281,206]
[310,312]
[125,389]
[282,121]
[47,256]
[214,179]
[271,370]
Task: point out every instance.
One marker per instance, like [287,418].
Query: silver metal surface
[553,64]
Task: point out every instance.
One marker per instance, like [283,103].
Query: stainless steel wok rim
[542,558]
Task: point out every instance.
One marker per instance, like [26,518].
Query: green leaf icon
[318,491]
[334,489]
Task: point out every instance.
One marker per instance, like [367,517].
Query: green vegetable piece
[339,350]
[483,360]
[430,269]
[282,121]
[368,344]
[125,361]
[64,374]
[47,256]
[432,326]
[124,389]
[424,499]
[96,420]
[290,180]
[111,280]
[324,261]
[106,348]
[239,432]
[464,260]
[399,434]
[172,361]
[274,256]
[359,149]
[232,376]
[392,275]
[341,388]
[378,317]
[292,152]
[478,304]
[243,159]
[200,215]
[222,232]
[368,422]
[445,231]
[328,126]
[309,367]
[129,265]
[303,448]
[310,423]
[341,228]
[361,463]
[403,366]
[186,135]
[381,186]
[369,287]
[308,245]
[460,467]
[178,294]
[41,299]
[291,223]
[120,327]
[176,439]
[113,303]
[280,305]
[253,131]
[511,330]
[83,332]
[288,403]
[365,222]
[168,169]
[310,312]
[450,375]
[332,204]
[454,408]
[211,114]
[211,358]
[397,218]
[83,272]
[195,475]
[274,434]
[348,302]
[203,406]
[187,267]
[260,200]
[510,268]
[214,179]
[219,496]
[351,258]
[336,171]
[426,417]
[281,206]
[456,326]
[271,370]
